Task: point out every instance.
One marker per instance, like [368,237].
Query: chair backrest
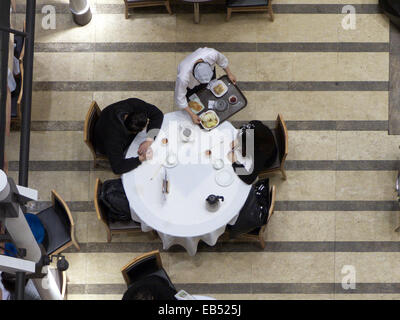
[271,203]
[282,138]
[63,212]
[141,266]
[92,116]
[100,209]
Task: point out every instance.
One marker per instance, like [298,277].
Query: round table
[181,217]
[196,7]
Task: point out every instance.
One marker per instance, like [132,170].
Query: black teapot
[213,203]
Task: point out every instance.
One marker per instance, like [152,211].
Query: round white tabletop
[181,216]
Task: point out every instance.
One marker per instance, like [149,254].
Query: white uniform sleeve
[215,57]
[180,94]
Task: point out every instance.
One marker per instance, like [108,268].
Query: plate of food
[195,104]
[219,88]
[209,120]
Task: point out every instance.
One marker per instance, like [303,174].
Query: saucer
[224,178]
[171,164]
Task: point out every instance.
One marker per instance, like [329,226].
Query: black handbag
[254,212]
[113,197]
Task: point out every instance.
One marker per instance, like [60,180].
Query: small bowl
[218,164]
[233,99]
[171,159]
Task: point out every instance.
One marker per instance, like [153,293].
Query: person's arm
[181,101]
[156,118]
[249,176]
[119,164]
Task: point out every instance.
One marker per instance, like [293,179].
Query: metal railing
[29,35]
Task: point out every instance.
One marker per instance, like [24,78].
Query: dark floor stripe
[87,206]
[373,125]
[250,288]
[217,8]
[291,165]
[223,246]
[220,46]
[244,85]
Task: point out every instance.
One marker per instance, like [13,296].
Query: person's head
[150,288]
[135,122]
[203,72]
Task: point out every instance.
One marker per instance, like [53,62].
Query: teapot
[212,202]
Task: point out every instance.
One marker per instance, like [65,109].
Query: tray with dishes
[230,102]
[195,104]
[209,120]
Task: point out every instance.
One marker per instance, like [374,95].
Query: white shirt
[185,78]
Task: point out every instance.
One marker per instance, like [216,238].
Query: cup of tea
[164,141]
[208,153]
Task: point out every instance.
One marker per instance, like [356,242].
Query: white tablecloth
[182,218]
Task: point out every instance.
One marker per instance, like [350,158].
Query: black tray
[205,95]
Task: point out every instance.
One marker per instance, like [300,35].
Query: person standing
[195,72]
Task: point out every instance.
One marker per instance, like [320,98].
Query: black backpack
[254,212]
[114,199]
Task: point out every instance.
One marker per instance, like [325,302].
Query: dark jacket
[112,138]
[265,152]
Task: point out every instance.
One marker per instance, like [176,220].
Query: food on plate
[209,120]
[219,89]
[195,106]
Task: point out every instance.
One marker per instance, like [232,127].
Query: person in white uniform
[195,72]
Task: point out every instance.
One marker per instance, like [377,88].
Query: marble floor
[338,206]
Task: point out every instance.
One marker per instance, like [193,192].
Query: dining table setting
[188,191]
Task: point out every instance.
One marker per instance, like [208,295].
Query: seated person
[152,287]
[119,124]
[8,284]
[265,150]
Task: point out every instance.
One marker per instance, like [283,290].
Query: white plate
[170,165]
[224,178]
[203,114]
[216,83]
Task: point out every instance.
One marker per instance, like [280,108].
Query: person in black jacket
[151,287]
[118,125]
[265,150]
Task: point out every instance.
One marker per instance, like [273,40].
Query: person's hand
[232,77]
[144,146]
[148,155]
[195,118]
[232,156]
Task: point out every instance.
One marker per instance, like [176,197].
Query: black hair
[135,121]
[8,280]
[150,288]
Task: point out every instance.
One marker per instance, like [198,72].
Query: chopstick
[155,173]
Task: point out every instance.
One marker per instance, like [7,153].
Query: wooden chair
[147,264]
[112,227]
[130,4]
[281,136]
[92,116]
[247,6]
[258,233]
[59,225]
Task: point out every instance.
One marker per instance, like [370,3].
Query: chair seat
[254,232]
[57,233]
[246,3]
[124,225]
